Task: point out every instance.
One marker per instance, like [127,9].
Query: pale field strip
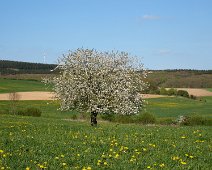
[40,95]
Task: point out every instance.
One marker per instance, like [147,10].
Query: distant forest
[17,67]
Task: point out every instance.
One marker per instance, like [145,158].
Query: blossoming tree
[99,82]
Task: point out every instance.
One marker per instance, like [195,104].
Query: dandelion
[117,155]
[175,158]
[56,157]
[183,137]
[191,156]
[1,151]
[27,168]
[105,163]
[64,164]
[183,163]
[62,156]
[162,165]
[99,162]
[148,167]
[88,168]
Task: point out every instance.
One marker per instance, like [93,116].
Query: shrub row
[172,92]
[35,112]
[148,118]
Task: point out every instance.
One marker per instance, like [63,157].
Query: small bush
[32,111]
[193,97]
[172,92]
[163,91]
[182,93]
[146,118]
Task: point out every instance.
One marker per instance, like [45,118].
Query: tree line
[18,67]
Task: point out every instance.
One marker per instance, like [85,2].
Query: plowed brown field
[39,95]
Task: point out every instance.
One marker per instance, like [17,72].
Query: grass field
[209,89]
[53,141]
[160,107]
[46,143]
[175,106]
[9,85]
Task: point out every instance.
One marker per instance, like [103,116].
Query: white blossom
[105,82]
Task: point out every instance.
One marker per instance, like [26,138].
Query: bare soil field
[50,96]
[197,92]
[39,95]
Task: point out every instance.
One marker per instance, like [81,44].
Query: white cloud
[151,17]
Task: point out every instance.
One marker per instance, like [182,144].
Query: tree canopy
[99,82]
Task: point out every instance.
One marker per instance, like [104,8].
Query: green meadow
[57,140]
[15,85]
[175,106]
[209,89]
[47,143]
[170,107]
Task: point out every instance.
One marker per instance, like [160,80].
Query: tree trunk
[93,118]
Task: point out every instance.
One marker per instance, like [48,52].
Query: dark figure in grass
[93,118]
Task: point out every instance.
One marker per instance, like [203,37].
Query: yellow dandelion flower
[4,155]
[88,168]
[175,158]
[105,163]
[117,155]
[78,154]
[148,167]
[1,151]
[186,154]
[2,167]
[62,156]
[183,163]
[183,137]
[56,157]
[162,165]
[27,168]
[84,168]
[64,164]
[41,166]
[144,149]
[191,156]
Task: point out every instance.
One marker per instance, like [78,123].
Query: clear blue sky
[166,34]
